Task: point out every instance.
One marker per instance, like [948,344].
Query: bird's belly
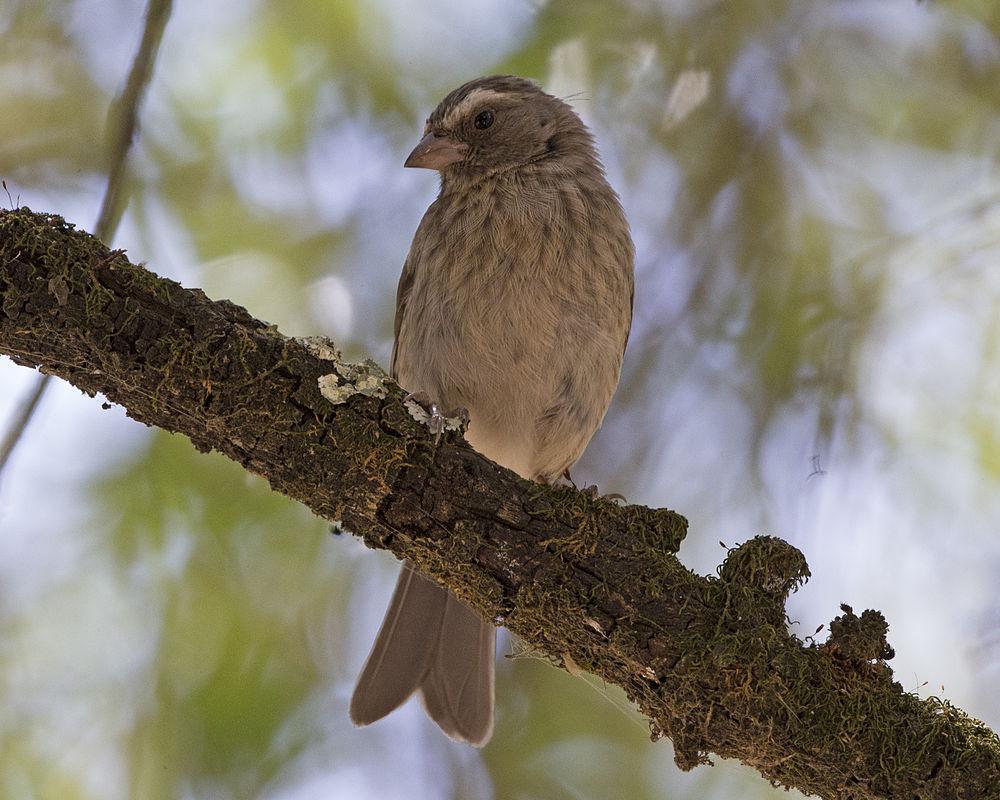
[487,353]
[524,376]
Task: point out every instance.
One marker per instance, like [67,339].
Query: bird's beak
[436,152]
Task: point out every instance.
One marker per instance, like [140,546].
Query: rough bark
[709,660]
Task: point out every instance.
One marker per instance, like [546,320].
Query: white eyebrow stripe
[473,98]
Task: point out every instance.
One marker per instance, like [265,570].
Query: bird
[514,304]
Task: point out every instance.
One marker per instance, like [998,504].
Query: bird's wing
[402,295]
[631,314]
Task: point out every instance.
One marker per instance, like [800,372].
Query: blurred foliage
[562,754]
[815,196]
[252,579]
[53,110]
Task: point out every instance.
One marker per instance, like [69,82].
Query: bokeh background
[814,192]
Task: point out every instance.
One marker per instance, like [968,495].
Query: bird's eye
[483,120]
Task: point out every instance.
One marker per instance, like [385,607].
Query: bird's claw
[437,420]
[613,497]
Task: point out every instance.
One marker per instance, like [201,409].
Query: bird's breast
[510,294]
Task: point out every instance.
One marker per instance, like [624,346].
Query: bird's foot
[427,411]
[614,497]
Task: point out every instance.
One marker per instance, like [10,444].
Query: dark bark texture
[589,583]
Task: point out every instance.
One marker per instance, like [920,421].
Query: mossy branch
[589,583]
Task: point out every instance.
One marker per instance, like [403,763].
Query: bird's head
[499,123]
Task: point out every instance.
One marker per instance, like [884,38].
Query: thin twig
[21,419]
[123,118]
[120,130]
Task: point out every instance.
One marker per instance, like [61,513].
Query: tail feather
[403,650]
[457,691]
[431,641]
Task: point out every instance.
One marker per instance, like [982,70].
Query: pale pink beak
[436,152]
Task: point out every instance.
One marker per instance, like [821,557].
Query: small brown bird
[515,303]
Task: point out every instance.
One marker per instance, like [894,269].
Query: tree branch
[709,661]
